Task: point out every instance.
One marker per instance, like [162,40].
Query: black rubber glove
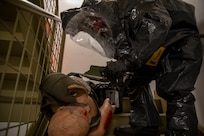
[115,70]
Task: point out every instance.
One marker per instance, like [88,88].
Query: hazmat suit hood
[95,26]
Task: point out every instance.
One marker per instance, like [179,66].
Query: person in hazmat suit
[153,39]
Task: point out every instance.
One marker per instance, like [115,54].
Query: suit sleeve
[146,28]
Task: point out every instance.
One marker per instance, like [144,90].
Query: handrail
[26,5]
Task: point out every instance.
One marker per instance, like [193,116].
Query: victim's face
[82,98]
[70,120]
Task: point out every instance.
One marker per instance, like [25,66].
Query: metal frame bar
[31,25]
[26,5]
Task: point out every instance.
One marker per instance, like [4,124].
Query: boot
[136,131]
[181,117]
[143,114]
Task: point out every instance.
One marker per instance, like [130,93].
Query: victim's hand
[107,111]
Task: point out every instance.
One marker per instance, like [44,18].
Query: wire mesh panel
[31,46]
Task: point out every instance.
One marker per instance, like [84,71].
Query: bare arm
[107,111]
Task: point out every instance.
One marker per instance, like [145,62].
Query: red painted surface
[107,121]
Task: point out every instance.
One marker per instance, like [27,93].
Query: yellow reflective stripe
[154,59]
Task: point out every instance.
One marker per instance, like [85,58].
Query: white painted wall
[79,59]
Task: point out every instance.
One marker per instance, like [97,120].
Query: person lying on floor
[70,105]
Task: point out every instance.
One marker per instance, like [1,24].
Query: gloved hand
[115,70]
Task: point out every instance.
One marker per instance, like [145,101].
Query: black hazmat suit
[155,40]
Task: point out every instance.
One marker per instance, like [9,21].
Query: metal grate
[31,46]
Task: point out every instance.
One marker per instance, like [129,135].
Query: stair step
[14,70]
[126,105]
[116,121]
[123,119]
[4,35]
[19,94]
